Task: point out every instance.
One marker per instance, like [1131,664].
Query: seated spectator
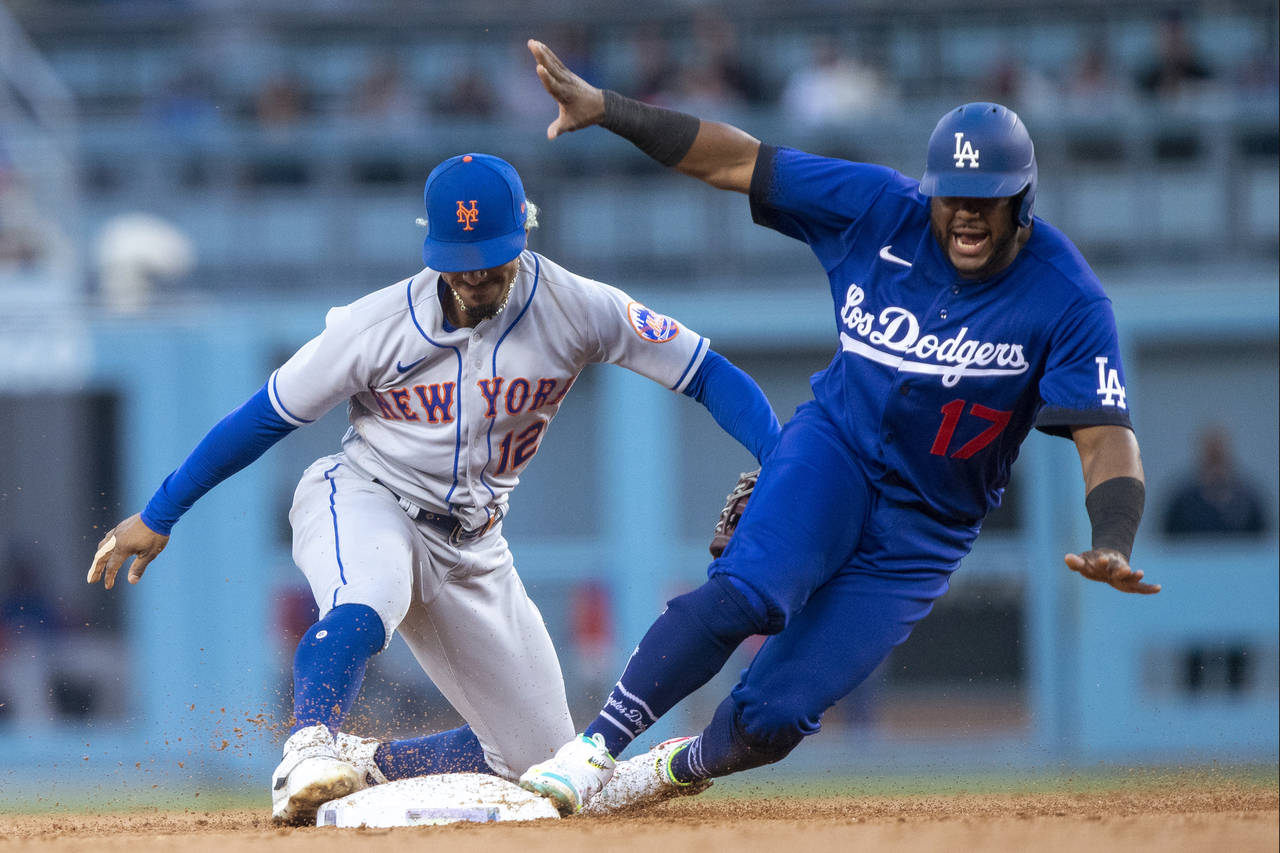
[30,241]
[470,94]
[385,99]
[1012,81]
[1093,83]
[1176,70]
[719,66]
[283,103]
[1216,499]
[833,87]
[185,109]
[714,77]
[20,243]
[655,72]
[281,107]
[1259,74]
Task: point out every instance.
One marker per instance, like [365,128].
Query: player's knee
[767,617]
[772,729]
[389,598]
[767,741]
[348,626]
[722,610]
[771,744]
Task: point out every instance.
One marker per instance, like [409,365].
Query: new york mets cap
[476,214]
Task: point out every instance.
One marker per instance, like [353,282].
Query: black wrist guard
[665,135]
[1115,508]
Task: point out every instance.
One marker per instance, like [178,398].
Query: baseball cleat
[574,775]
[359,753]
[645,780]
[309,775]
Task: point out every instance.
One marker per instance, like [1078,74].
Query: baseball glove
[735,503]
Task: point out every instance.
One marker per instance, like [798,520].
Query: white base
[435,800]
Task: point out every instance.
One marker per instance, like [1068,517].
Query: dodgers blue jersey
[939,379]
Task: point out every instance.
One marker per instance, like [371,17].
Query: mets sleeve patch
[650,325]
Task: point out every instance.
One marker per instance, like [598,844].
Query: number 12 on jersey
[518,449]
[951,414]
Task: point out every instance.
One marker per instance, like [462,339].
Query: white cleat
[644,781]
[309,775]
[358,752]
[574,775]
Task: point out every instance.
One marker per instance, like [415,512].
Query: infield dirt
[1217,818]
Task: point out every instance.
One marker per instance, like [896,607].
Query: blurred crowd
[816,78]
[368,87]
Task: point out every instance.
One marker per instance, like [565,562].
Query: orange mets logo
[650,325]
[467,217]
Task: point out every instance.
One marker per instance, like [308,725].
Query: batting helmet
[982,150]
[476,214]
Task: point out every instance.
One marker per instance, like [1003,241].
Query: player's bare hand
[129,538]
[581,104]
[1110,567]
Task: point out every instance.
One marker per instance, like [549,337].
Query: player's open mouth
[969,244]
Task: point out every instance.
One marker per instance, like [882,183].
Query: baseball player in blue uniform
[962,322]
[450,379]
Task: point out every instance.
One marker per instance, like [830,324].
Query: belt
[446,524]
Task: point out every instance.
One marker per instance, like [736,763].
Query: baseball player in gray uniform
[451,378]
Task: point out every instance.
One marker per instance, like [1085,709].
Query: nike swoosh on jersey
[886,255]
[410,366]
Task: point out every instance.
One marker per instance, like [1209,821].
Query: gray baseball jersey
[449,417]
[445,419]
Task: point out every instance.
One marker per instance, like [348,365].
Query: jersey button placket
[481,425]
[466,416]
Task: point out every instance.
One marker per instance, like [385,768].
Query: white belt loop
[410,508]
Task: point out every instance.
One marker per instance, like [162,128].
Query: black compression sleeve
[665,135]
[1115,508]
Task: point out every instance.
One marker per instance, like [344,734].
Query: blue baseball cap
[476,214]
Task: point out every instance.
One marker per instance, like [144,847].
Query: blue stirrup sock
[328,667]
[722,749]
[687,644]
[455,751]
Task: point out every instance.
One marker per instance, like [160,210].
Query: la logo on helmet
[965,151]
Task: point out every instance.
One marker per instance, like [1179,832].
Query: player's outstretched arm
[719,154]
[1115,493]
[129,538]
[232,443]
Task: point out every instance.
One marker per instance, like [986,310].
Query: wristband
[1115,508]
[665,135]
